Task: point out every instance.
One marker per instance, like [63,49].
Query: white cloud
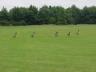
[39,3]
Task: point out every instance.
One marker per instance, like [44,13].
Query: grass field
[46,53]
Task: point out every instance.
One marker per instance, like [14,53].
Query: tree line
[47,15]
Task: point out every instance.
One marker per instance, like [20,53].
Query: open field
[46,53]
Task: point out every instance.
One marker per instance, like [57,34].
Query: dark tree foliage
[31,15]
[73,14]
[43,15]
[4,17]
[47,15]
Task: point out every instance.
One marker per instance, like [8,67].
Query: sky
[39,3]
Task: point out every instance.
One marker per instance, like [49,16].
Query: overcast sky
[39,3]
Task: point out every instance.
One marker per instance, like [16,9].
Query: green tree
[73,15]
[4,16]
[43,15]
[60,15]
[89,15]
[17,15]
[31,15]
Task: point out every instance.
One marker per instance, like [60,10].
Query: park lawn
[46,53]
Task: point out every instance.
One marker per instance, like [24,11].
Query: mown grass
[46,53]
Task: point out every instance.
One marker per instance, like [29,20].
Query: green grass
[46,53]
